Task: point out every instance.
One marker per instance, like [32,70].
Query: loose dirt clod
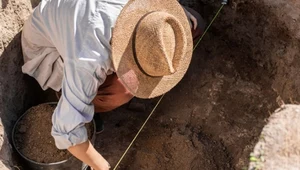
[33,136]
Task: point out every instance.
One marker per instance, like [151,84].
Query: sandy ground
[246,64]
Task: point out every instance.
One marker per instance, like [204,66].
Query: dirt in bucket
[33,136]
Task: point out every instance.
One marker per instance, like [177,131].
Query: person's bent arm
[74,110]
[88,154]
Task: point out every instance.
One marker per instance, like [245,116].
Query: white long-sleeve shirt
[66,45]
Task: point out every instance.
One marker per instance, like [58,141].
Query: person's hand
[103,165]
[193,19]
[88,154]
[104,168]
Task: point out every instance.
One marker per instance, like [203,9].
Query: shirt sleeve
[75,106]
[81,31]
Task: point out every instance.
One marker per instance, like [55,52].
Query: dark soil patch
[33,135]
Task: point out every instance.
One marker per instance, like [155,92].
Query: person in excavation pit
[100,54]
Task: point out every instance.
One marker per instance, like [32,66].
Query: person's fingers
[194,20]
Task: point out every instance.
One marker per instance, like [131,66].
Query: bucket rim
[32,161]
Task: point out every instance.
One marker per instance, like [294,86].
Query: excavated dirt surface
[244,68]
[246,65]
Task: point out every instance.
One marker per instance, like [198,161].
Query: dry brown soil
[33,136]
[246,65]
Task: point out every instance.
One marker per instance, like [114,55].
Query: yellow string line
[212,21]
[139,131]
[142,127]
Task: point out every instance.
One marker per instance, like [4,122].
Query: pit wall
[17,91]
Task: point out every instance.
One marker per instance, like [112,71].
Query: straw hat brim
[139,84]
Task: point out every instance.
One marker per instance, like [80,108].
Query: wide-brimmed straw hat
[151,46]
